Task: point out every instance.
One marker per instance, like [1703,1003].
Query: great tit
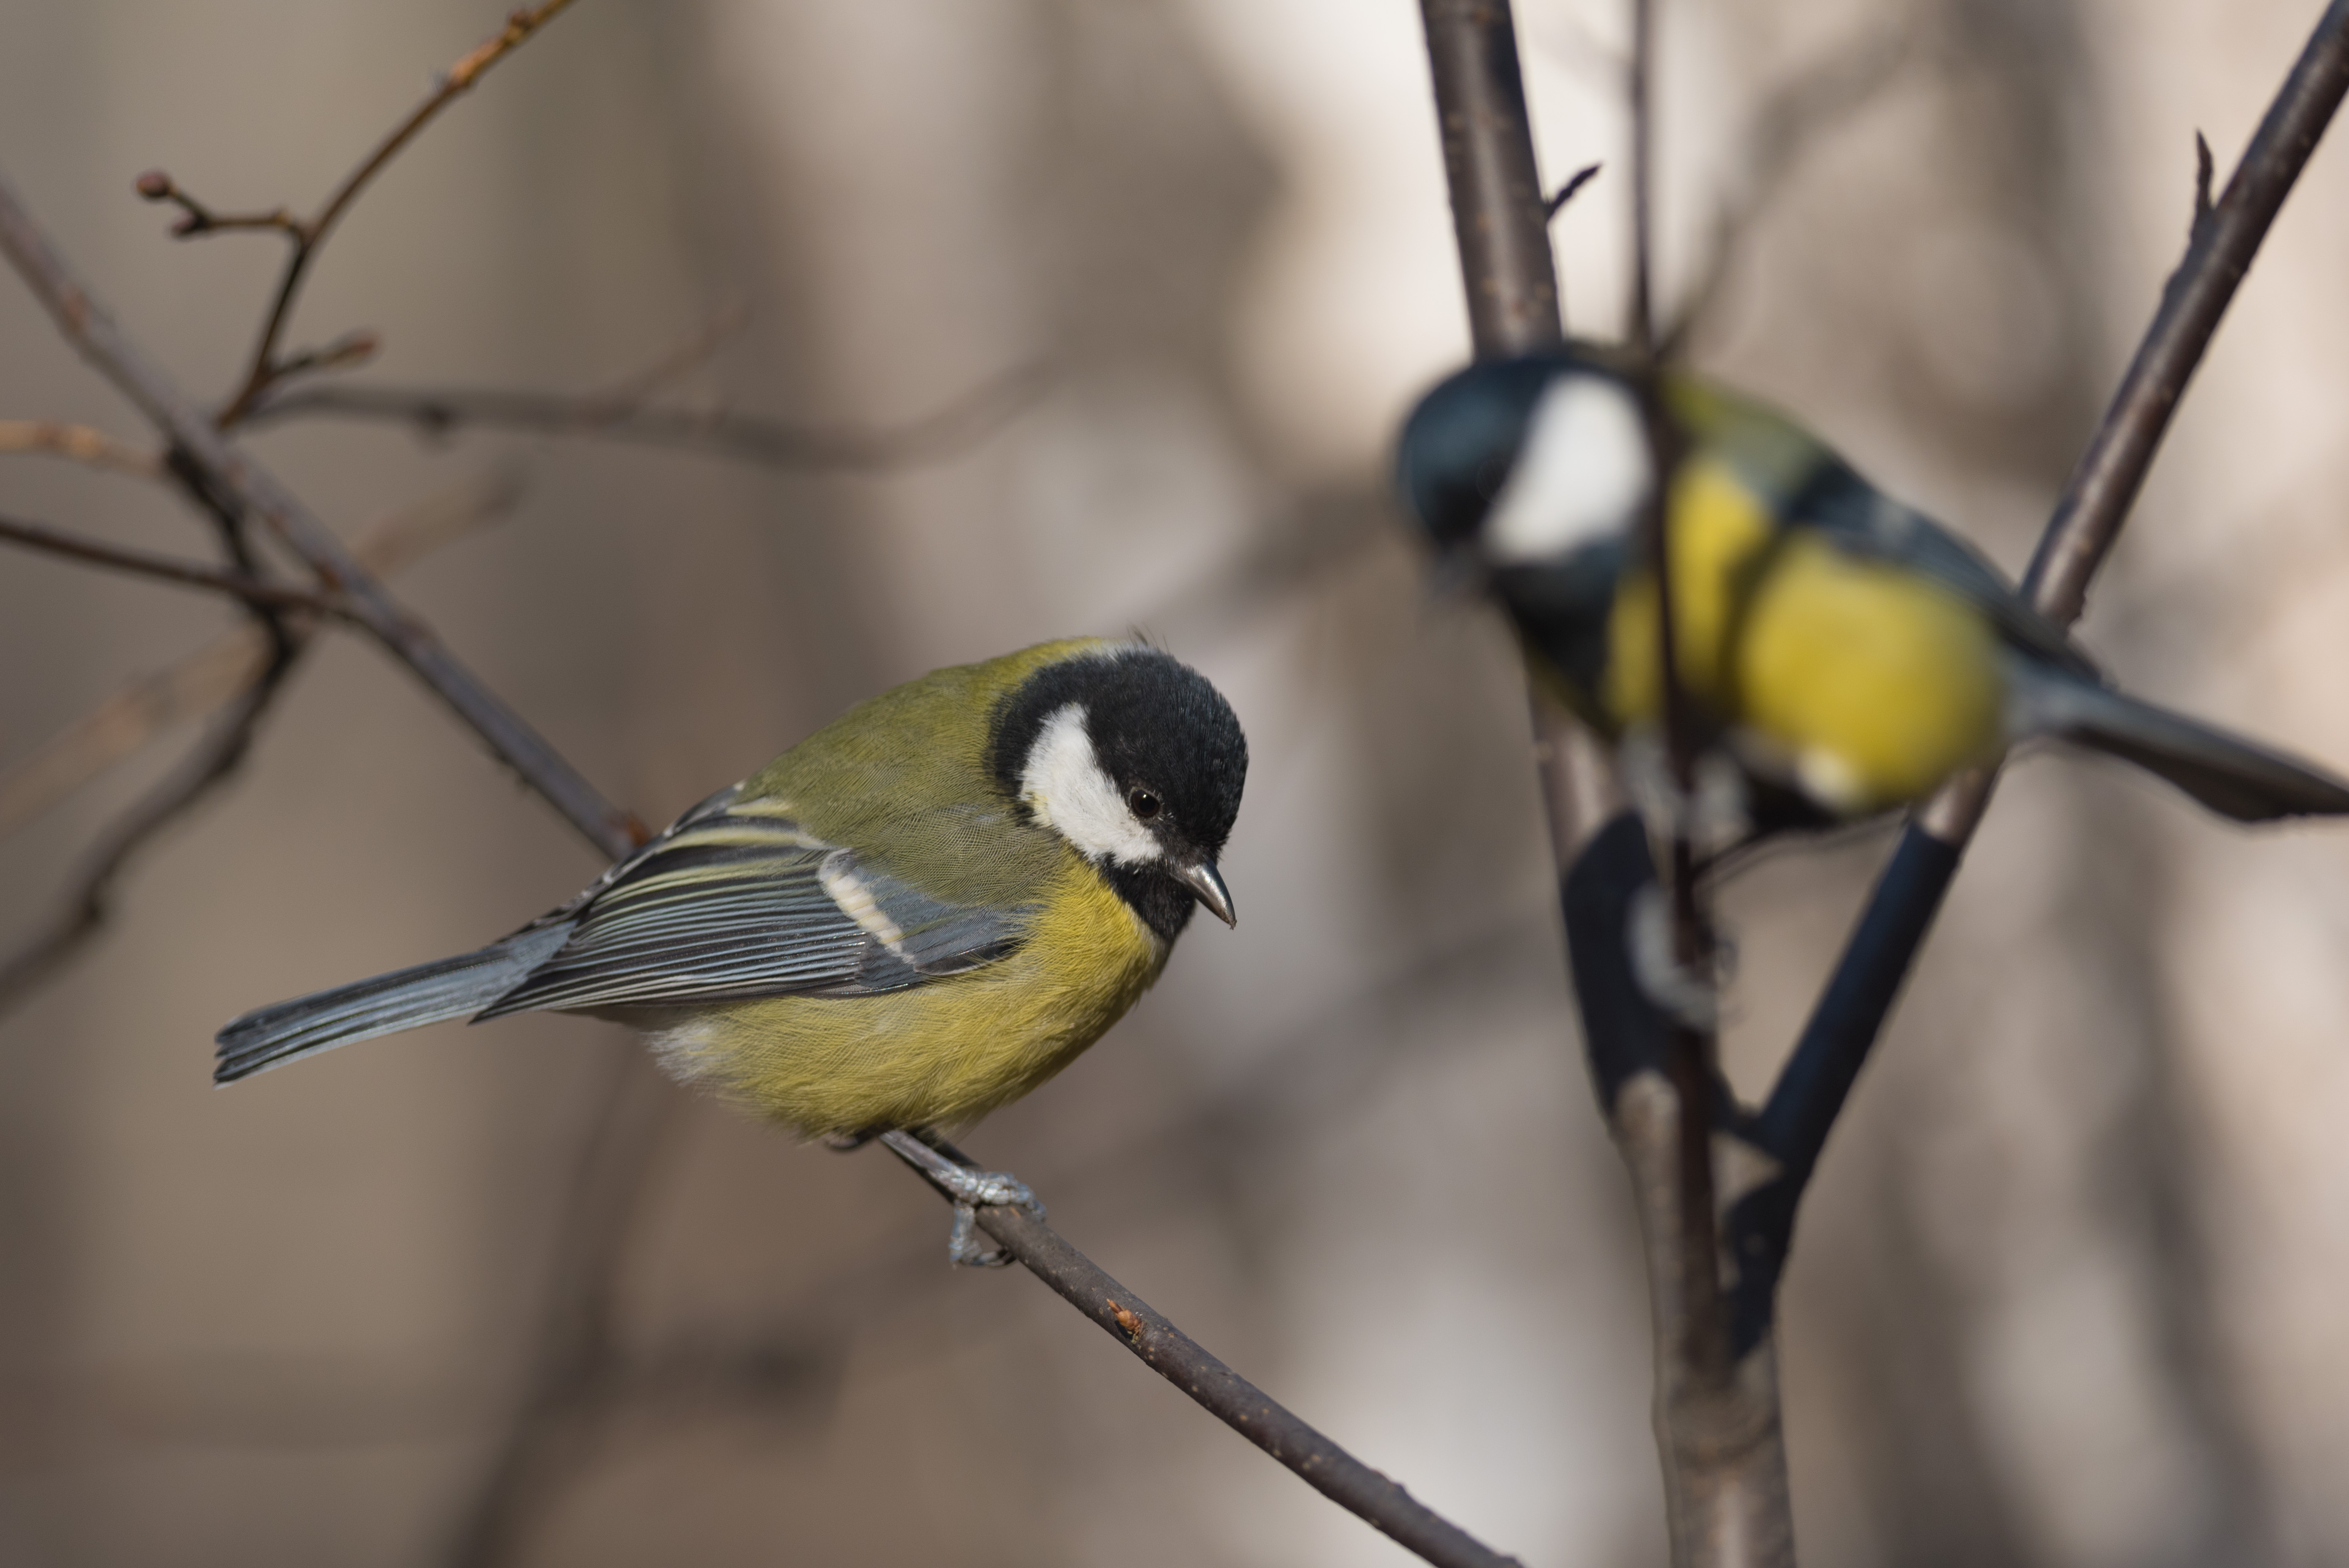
[921,911]
[1845,653]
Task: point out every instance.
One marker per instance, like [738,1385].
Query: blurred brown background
[2070,1288]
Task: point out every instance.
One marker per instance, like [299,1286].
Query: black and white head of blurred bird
[918,913]
[1845,653]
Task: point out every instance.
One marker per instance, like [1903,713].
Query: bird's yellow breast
[938,1053]
[1867,683]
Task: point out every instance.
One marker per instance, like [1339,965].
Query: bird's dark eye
[1142,803]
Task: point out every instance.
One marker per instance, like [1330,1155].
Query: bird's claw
[976,1189]
[964,1249]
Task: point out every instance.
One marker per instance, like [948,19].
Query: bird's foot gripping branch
[969,1190]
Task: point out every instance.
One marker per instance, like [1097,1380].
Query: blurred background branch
[624,415]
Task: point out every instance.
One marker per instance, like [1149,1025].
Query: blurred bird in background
[1843,653]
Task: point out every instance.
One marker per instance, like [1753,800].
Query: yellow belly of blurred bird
[1872,684]
[935,1053]
[1867,685]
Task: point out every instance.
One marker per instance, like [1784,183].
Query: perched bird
[1843,653]
[918,913]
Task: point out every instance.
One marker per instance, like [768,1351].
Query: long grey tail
[404,998]
[2232,776]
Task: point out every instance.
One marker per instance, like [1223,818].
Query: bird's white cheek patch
[1064,785]
[1581,473]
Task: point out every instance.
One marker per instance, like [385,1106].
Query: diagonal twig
[1225,1393]
[1793,1126]
[241,585]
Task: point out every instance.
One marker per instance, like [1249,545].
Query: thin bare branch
[622,416]
[1640,87]
[1223,1393]
[222,475]
[241,585]
[196,218]
[211,677]
[308,235]
[81,444]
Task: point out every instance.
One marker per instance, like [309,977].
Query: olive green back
[910,770]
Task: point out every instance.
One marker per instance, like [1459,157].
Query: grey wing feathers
[741,906]
[406,999]
[2233,777]
[726,905]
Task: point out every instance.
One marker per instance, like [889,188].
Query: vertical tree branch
[1717,1422]
[1500,220]
[1642,71]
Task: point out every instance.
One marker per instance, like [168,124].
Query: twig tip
[1575,181]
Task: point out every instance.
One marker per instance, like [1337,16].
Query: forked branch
[307,235]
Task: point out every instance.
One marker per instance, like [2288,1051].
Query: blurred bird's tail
[406,999]
[2231,775]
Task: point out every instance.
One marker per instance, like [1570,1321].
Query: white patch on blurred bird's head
[1582,472]
[1063,785]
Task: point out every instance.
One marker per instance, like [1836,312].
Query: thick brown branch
[1225,1393]
[1728,1499]
[1500,220]
[252,590]
[231,477]
[1499,215]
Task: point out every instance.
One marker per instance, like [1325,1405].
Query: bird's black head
[1136,759]
[1512,460]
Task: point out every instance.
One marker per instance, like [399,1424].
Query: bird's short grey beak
[1207,883]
